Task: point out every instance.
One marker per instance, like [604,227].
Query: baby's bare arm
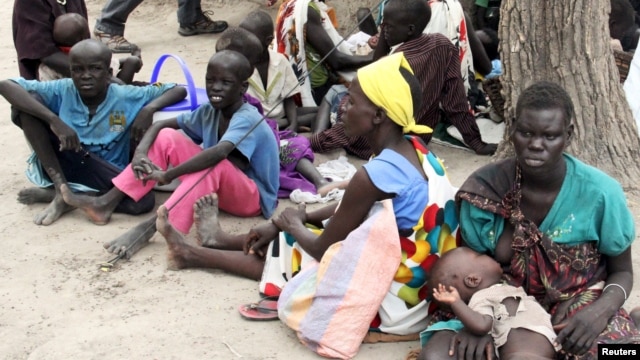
[476,323]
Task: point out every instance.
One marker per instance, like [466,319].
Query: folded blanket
[331,316]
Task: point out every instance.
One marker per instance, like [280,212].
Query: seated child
[297,171]
[71,28]
[273,81]
[462,276]
[238,159]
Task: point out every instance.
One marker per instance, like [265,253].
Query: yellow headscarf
[385,86]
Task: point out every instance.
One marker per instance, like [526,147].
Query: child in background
[71,28]
[469,283]
[273,82]
[298,175]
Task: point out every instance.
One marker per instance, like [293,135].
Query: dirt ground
[57,304]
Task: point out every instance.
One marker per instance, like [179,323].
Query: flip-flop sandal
[263,310]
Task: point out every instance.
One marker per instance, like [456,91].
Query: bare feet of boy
[205,217]
[178,250]
[34,195]
[53,211]
[133,240]
[93,206]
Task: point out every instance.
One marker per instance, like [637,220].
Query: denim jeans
[115,13]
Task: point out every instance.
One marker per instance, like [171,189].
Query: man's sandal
[263,310]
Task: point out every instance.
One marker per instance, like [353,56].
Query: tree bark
[568,42]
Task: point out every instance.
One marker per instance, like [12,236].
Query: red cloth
[33,30]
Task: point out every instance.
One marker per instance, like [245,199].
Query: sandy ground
[57,304]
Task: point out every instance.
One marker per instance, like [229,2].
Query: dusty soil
[57,304]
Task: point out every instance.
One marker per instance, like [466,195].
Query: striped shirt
[435,62]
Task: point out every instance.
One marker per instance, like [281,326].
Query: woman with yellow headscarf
[366,267]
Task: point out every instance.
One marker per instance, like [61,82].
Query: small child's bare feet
[53,211]
[205,217]
[177,248]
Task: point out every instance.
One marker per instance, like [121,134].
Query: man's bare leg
[133,240]
[37,134]
[208,231]
[36,194]
[183,255]
[97,208]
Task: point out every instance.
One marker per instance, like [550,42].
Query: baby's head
[227,77]
[466,270]
[260,24]
[69,29]
[242,41]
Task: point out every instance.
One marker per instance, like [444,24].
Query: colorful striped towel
[330,305]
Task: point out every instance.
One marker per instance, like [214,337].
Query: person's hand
[487,149]
[293,128]
[291,218]
[581,330]
[141,123]
[158,175]
[446,296]
[259,238]
[143,167]
[66,135]
[467,346]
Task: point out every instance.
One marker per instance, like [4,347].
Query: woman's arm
[358,199]
[580,331]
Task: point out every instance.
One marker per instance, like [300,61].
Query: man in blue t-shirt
[81,128]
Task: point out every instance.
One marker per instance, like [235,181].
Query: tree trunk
[568,42]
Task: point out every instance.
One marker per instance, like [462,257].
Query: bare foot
[205,217]
[133,240]
[52,212]
[36,195]
[95,208]
[177,248]
[323,190]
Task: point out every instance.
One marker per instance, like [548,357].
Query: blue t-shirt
[259,147]
[106,134]
[392,173]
